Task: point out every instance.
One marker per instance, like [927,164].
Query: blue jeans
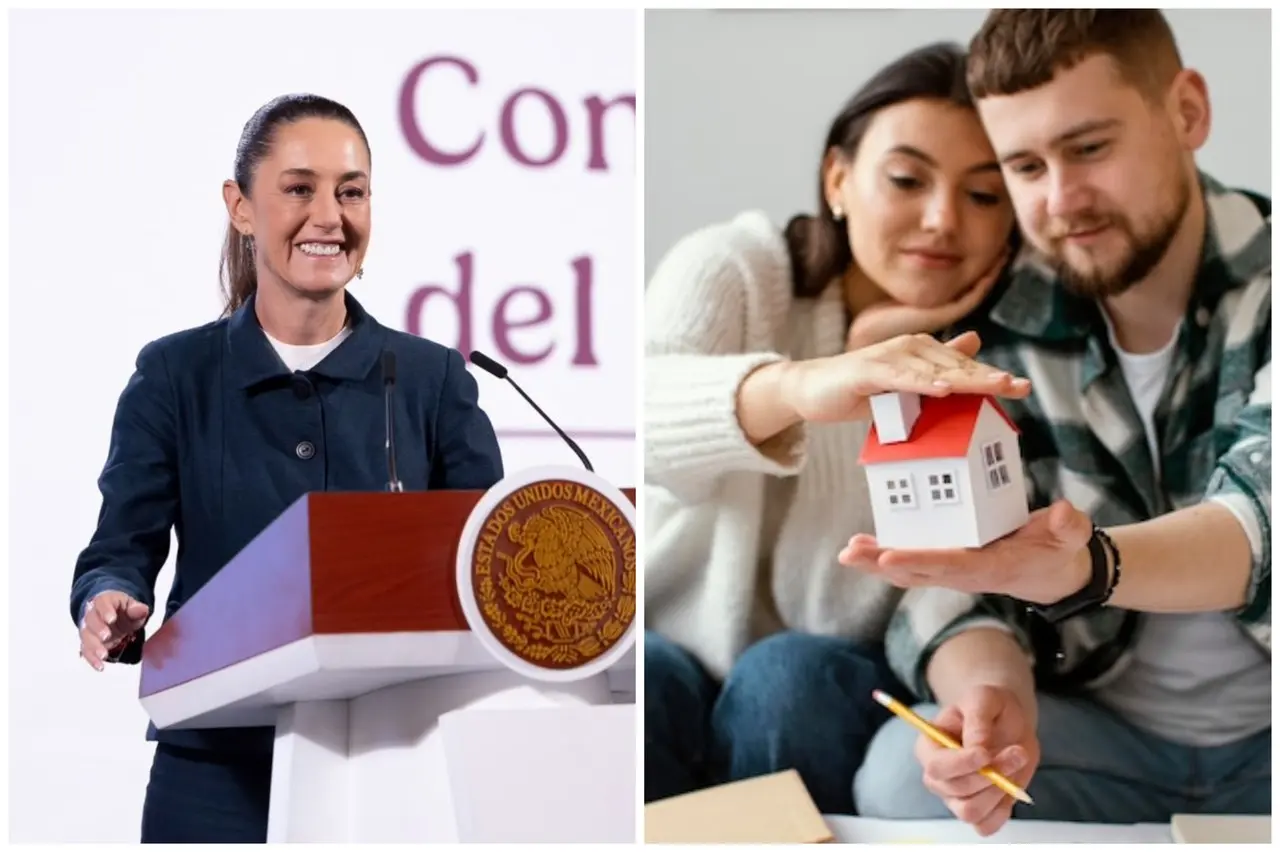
[790,701]
[1094,767]
[205,797]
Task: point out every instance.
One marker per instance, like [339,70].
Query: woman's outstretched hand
[109,623]
[838,388]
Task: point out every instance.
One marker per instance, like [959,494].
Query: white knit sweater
[741,541]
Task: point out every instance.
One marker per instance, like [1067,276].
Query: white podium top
[332,666]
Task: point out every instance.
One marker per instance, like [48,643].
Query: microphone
[388,388]
[494,369]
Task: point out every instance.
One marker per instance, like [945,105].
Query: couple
[1037,198]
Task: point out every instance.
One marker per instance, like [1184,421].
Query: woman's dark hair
[819,245]
[237,271]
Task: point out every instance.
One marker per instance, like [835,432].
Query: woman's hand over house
[838,388]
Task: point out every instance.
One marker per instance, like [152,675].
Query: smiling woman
[299,203]
[223,427]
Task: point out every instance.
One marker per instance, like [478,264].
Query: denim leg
[1236,778]
[678,694]
[1093,767]
[1097,767]
[804,702]
[890,782]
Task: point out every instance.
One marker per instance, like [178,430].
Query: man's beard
[1144,250]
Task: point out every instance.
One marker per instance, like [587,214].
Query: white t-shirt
[306,356]
[1195,678]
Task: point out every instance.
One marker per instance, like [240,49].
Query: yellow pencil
[945,740]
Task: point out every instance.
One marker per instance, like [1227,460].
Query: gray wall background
[736,103]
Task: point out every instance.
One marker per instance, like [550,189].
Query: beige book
[774,809]
[1221,829]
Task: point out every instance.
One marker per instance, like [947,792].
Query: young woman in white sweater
[761,651]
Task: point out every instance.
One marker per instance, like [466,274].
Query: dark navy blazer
[214,437]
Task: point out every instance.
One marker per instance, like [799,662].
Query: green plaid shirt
[1082,438]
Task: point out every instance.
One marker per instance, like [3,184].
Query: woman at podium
[222,427]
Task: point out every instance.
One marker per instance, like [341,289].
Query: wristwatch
[1097,592]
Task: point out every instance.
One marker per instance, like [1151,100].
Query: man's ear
[1189,108]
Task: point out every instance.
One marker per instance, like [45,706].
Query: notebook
[767,809]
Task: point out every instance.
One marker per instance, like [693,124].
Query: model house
[943,472]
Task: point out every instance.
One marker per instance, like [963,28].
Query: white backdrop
[737,102]
[123,126]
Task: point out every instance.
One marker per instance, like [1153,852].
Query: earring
[837,212]
[360,272]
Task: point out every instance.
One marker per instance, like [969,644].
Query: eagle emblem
[554,574]
[564,552]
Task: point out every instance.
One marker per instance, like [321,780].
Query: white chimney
[895,414]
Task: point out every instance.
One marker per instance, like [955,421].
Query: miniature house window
[942,488]
[997,466]
[901,495]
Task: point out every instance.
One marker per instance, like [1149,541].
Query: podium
[393,640]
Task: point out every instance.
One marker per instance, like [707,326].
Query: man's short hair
[1021,49]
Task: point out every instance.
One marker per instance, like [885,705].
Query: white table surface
[860,830]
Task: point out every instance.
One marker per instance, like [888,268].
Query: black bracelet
[1115,562]
[1096,591]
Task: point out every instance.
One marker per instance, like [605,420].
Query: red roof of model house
[944,430]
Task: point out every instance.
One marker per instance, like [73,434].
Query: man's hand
[993,730]
[1042,562]
[110,619]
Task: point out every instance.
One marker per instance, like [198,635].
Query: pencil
[945,740]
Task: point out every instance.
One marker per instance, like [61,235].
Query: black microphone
[388,387]
[492,367]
